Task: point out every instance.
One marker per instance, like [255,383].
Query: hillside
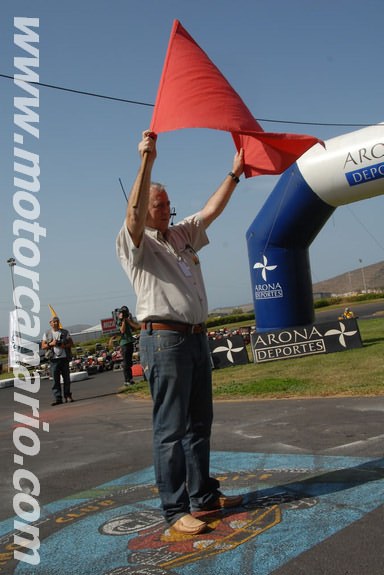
[367,278]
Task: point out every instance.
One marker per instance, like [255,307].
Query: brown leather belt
[181,327]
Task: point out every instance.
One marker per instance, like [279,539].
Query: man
[348,313]
[57,342]
[163,267]
[126,324]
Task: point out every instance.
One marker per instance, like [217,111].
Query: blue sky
[297,61]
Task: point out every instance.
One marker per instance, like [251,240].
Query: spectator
[348,313]
[126,324]
[58,343]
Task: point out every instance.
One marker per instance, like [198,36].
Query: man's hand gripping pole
[142,170]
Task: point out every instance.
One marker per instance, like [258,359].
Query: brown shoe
[223,502]
[227,501]
[189,525]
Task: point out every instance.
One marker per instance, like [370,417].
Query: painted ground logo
[117,528]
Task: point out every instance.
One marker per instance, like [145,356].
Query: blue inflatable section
[278,242]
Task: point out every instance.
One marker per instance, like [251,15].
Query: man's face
[55,323]
[159,210]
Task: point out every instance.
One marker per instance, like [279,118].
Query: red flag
[193,93]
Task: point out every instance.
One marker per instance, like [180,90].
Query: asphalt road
[316,465]
[363,310]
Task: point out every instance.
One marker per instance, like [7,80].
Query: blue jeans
[60,367]
[178,369]
[127,353]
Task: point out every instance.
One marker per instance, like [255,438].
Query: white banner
[12,343]
[20,351]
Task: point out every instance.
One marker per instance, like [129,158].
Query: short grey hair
[158,186]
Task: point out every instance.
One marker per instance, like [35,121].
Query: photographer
[58,343]
[126,324]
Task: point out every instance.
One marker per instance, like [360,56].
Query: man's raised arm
[137,207]
[217,202]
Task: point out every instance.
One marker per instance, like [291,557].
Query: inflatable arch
[350,168]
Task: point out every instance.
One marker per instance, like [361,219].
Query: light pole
[12,262]
[11,343]
[363,276]
[350,282]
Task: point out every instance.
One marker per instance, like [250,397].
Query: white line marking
[357,443]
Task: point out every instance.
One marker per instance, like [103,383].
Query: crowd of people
[122,350]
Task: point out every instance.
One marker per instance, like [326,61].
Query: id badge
[185,268]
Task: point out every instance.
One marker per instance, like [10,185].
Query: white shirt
[58,352]
[166,273]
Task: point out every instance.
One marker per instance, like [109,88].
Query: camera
[124,312]
[60,339]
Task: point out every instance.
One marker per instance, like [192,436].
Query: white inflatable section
[350,167]
[77,376]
